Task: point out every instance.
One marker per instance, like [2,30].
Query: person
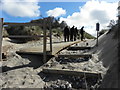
[78,34]
[82,33]
[66,34]
[75,33]
[71,33]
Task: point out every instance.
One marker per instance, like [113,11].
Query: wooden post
[97,39]
[44,43]
[50,38]
[1,29]
[97,29]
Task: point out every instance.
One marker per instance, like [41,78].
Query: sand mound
[108,54]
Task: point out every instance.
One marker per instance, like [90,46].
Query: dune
[107,52]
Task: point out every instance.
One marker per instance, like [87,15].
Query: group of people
[71,34]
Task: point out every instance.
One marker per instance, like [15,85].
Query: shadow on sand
[35,62]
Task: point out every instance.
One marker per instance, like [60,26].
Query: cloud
[91,13]
[21,8]
[20,0]
[56,12]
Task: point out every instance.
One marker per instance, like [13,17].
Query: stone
[62,86]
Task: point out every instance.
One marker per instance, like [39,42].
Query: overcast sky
[74,12]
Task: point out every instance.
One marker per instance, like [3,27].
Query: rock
[77,83]
[63,67]
[69,86]
[62,86]
[58,81]
[54,86]
[83,85]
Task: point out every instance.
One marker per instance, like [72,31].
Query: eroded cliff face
[108,54]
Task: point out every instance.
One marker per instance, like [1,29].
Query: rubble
[18,73]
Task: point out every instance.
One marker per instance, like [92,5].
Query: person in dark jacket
[82,33]
[66,34]
[75,34]
[71,33]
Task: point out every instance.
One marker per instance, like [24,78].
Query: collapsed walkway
[17,67]
[57,47]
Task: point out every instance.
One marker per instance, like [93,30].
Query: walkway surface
[39,49]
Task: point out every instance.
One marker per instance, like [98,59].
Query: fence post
[50,38]
[1,29]
[97,29]
[44,43]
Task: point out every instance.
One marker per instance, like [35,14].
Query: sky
[74,12]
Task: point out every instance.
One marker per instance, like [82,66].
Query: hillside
[107,51]
[57,28]
[89,36]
